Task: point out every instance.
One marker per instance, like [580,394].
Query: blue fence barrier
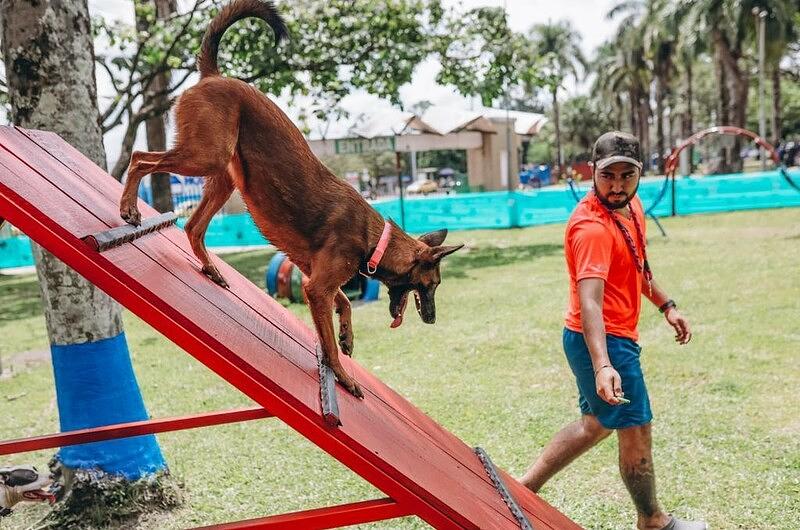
[707,194]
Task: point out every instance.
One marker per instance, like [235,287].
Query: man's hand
[682,332]
[609,385]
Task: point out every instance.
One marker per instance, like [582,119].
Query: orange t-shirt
[595,248]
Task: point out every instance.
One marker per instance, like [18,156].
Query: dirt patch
[23,360]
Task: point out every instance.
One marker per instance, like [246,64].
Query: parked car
[422,186]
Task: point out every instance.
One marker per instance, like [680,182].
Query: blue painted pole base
[96,386]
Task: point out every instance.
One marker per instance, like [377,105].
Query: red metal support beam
[321,518]
[137,428]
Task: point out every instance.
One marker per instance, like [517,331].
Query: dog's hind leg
[343,309]
[205,143]
[184,159]
[216,191]
[140,165]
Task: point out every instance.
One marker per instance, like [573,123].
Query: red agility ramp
[58,197]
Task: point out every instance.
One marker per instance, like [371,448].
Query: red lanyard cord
[644,266]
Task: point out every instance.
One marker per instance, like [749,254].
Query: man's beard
[610,205]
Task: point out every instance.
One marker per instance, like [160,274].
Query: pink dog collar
[383,242]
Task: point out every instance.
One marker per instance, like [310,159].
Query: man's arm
[606,378]
[683,333]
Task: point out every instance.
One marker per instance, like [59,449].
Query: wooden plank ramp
[57,197]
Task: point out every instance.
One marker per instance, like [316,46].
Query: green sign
[355,146]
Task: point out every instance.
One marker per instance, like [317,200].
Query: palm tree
[609,82]
[630,69]
[780,31]
[644,29]
[728,27]
[558,44]
[661,40]
[689,47]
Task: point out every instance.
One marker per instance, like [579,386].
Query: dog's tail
[230,14]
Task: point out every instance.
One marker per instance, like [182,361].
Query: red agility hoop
[671,164]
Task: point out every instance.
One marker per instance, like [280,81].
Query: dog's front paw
[346,343]
[131,215]
[212,272]
[355,389]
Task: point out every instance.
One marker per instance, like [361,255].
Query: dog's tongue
[399,318]
[39,495]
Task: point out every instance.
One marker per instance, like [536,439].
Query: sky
[587,16]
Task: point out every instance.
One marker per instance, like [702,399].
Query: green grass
[726,428]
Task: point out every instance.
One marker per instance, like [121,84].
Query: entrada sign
[355,146]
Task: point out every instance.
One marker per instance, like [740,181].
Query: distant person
[608,270]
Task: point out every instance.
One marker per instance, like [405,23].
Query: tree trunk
[633,100]
[49,58]
[557,125]
[723,109]
[644,125]
[739,84]
[688,129]
[660,144]
[777,119]
[156,126]
[44,95]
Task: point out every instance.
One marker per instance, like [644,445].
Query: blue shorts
[624,354]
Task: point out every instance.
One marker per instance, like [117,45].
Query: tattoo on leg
[640,479]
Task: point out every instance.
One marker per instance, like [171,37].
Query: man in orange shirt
[608,269]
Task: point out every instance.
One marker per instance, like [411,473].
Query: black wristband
[667,305]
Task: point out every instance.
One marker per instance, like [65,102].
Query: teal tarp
[719,193]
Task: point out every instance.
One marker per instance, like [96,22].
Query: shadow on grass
[479,257]
[19,297]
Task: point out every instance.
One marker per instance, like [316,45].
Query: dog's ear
[435,254]
[434,239]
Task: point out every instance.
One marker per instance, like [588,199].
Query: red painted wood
[40,228]
[136,428]
[203,345]
[321,518]
[144,273]
[213,293]
[247,338]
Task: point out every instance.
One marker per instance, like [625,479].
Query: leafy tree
[781,29]
[632,69]
[478,52]
[584,120]
[336,47]
[558,47]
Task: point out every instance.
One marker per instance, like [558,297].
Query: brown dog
[234,136]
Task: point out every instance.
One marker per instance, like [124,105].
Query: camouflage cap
[616,146]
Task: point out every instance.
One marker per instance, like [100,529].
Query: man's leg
[567,445]
[636,467]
